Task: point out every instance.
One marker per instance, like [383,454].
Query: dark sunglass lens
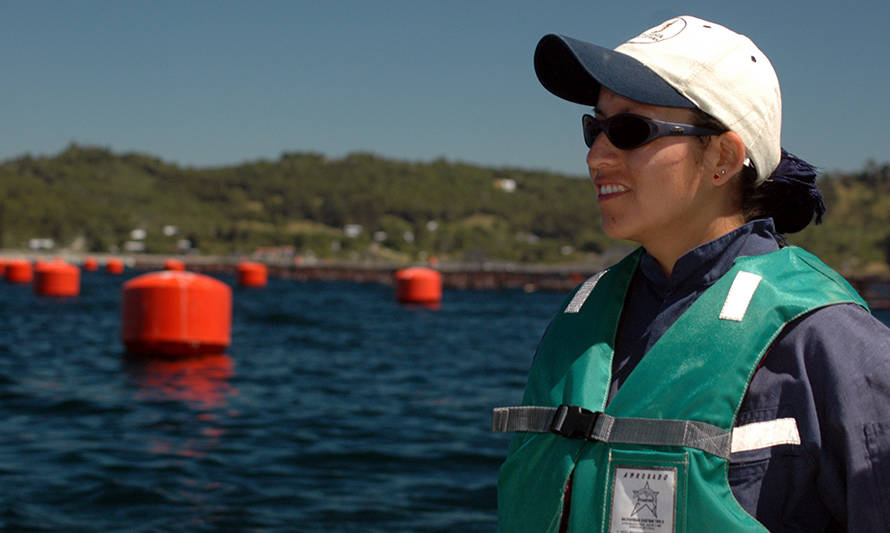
[628,131]
[591,129]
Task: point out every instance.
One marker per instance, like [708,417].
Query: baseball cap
[683,62]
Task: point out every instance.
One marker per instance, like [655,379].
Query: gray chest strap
[578,423]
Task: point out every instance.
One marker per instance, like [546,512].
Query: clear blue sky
[203,83]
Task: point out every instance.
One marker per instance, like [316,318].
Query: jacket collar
[705,263]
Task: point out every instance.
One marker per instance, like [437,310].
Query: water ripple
[334,409]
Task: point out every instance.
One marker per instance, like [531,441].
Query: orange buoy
[56,278]
[251,274]
[176,313]
[173,264]
[115,266]
[418,285]
[90,264]
[19,271]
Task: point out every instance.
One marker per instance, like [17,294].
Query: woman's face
[660,194]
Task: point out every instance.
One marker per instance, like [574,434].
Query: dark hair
[789,196]
[791,202]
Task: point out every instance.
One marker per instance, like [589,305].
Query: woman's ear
[730,157]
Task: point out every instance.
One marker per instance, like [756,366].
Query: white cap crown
[724,74]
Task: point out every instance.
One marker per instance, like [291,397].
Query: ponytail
[790,195]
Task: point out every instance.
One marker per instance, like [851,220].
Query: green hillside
[362,206]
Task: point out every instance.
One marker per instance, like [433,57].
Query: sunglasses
[627,131]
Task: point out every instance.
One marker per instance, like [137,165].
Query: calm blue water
[334,409]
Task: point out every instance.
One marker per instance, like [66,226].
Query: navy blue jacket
[829,370]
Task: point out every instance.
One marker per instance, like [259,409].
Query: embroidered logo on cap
[667,30]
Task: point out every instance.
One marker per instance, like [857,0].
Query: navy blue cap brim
[575,70]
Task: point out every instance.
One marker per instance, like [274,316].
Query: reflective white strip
[582,294]
[740,294]
[764,435]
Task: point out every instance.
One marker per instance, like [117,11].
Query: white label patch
[643,500]
[767,434]
[583,292]
[739,297]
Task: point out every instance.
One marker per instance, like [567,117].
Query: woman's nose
[601,153]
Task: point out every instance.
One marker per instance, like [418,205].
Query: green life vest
[654,459]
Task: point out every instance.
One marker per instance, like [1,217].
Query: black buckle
[573,422]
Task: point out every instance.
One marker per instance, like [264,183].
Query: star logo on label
[645,498]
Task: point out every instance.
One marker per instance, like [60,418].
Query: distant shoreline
[874,288]
[466,275]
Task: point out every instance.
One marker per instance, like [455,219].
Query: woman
[715,379]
